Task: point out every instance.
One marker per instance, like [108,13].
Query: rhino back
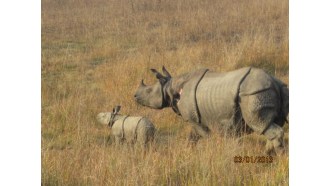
[257,80]
[129,123]
[216,96]
[130,127]
[144,126]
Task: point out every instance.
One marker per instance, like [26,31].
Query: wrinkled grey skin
[136,129]
[241,101]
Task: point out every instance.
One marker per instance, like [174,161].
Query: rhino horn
[142,83]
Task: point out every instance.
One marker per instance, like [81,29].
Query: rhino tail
[284,91]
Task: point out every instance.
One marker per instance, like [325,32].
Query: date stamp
[253,159]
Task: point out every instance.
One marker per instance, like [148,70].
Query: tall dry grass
[94,54]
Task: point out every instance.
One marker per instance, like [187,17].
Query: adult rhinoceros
[244,100]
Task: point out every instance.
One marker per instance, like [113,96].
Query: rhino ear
[158,75]
[166,73]
[116,109]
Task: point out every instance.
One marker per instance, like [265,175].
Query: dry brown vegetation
[94,54]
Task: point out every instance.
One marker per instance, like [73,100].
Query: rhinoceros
[241,101]
[131,129]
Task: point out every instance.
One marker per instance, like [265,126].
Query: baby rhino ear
[116,109]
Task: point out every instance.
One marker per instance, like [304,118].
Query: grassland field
[94,55]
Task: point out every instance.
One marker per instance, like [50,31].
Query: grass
[94,54]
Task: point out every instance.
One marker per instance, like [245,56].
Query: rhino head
[154,96]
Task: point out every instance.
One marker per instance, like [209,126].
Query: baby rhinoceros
[131,129]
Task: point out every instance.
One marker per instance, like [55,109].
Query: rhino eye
[149,90]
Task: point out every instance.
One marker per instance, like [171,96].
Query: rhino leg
[145,137]
[141,140]
[150,142]
[274,134]
[150,138]
[118,141]
[198,131]
[259,112]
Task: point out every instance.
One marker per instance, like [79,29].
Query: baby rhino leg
[118,141]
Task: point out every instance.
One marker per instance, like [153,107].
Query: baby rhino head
[107,118]
[104,117]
